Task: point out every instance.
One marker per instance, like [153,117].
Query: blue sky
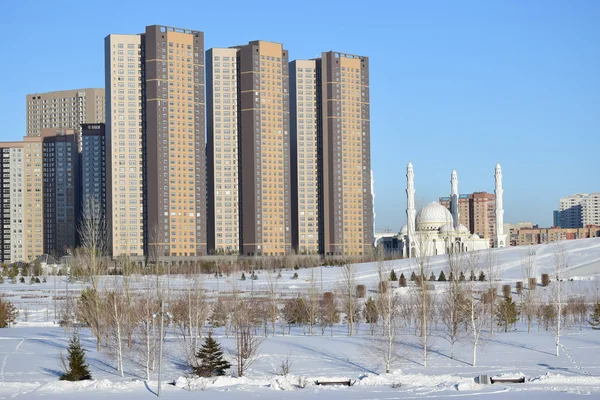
[454,84]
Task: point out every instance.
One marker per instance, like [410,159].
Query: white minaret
[454,197]
[500,240]
[410,208]
[410,200]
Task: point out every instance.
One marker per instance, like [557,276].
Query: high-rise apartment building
[124,144]
[571,210]
[263,93]
[476,211]
[591,210]
[66,109]
[11,197]
[305,97]
[346,212]
[156,197]
[93,170]
[33,199]
[223,223]
[61,190]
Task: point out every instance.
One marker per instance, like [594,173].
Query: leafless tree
[312,301]
[93,236]
[273,300]
[328,312]
[146,306]
[474,306]
[247,341]
[492,275]
[560,264]
[528,296]
[422,254]
[347,288]
[116,321]
[452,307]
[91,311]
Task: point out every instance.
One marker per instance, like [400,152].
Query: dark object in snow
[508,380]
[483,380]
[334,383]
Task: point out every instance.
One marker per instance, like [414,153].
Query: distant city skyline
[453,86]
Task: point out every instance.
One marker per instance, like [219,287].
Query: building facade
[65,109]
[531,236]
[33,198]
[265,170]
[61,191]
[570,209]
[477,211]
[346,203]
[93,169]
[222,147]
[305,112]
[591,210]
[11,196]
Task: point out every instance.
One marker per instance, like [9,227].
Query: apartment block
[156,183]
[346,202]
[61,190]
[124,144]
[33,199]
[476,211]
[93,170]
[222,148]
[11,197]
[65,109]
[571,208]
[591,210]
[263,93]
[305,103]
[531,236]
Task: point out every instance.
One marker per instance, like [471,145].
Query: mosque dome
[404,230]
[474,236]
[447,228]
[432,217]
[462,229]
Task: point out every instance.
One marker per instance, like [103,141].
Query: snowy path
[4,361]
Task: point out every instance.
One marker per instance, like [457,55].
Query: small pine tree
[442,277]
[413,276]
[243,276]
[393,276]
[432,277]
[481,277]
[22,279]
[210,359]
[279,275]
[370,311]
[8,313]
[507,313]
[254,276]
[594,320]
[472,277]
[78,369]
[461,278]
[402,280]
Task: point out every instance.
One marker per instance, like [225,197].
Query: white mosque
[436,230]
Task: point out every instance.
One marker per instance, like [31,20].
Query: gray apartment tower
[93,169]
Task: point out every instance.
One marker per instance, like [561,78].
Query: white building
[579,210]
[590,213]
[435,230]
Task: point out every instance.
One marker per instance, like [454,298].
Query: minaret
[500,239]
[454,198]
[410,202]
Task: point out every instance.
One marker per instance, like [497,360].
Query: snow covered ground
[29,352]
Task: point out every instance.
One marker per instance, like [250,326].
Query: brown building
[263,99]
[156,197]
[64,109]
[530,236]
[476,211]
[346,201]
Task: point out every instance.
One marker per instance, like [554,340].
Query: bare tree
[273,300]
[528,297]
[247,341]
[347,289]
[117,319]
[560,264]
[312,301]
[474,306]
[93,236]
[491,269]
[453,315]
[422,253]
[146,307]
[90,310]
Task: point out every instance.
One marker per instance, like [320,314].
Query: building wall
[5,220]
[16,203]
[93,168]
[222,151]
[124,140]
[175,146]
[64,109]
[591,210]
[570,209]
[61,189]
[347,204]
[546,235]
[476,211]
[33,199]
[305,99]
[265,149]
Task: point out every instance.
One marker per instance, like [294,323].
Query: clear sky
[454,84]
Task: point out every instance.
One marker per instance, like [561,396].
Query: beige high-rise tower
[64,109]
[156,197]
[222,151]
[263,93]
[304,110]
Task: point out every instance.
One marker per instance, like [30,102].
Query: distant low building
[530,236]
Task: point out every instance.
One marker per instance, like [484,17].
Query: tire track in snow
[6,358]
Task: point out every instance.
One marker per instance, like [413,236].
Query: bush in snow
[594,320]
[8,313]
